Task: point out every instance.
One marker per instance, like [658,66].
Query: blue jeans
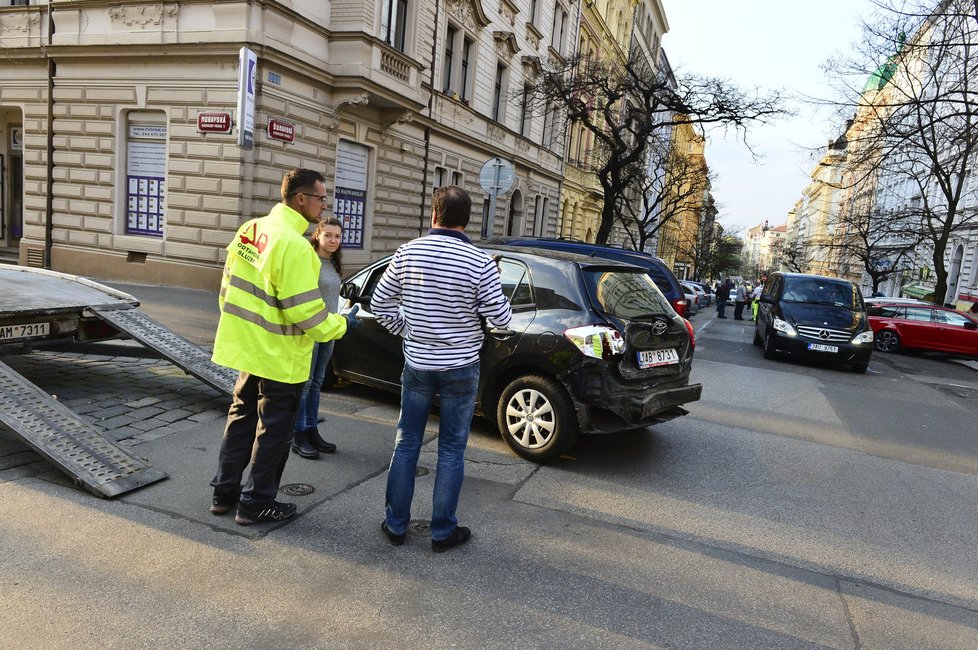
[457,390]
[308,413]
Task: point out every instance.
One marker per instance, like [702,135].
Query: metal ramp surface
[75,446]
[168,343]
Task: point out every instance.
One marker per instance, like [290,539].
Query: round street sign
[497,176]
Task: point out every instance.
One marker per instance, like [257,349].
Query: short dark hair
[299,180]
[452,206]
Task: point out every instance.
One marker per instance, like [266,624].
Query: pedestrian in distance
[740,298]
[307,442]
[271,314]
[723,295]
[435,293]
[755,299]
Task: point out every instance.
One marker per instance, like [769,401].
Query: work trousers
[258,433]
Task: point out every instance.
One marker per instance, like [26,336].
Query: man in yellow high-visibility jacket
[271,314]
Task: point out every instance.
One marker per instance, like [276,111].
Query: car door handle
[502,333]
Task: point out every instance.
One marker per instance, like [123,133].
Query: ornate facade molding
[23,22]
[356,100]
[403,117]
[531,67]
[496,132]
[509,11]
[468,12]
[142,16]
[506,45]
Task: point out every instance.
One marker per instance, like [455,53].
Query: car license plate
[14,332]
[818,347]
[652,358]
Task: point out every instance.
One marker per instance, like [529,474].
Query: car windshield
[822,291]
[625,294]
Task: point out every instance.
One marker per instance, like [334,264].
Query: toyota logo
[659,328]
[824,335]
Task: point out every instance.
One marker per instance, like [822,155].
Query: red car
[923,327]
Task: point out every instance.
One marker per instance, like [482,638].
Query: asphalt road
[796,506]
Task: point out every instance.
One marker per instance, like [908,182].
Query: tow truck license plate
[27,330]
[652,358]
[818,347]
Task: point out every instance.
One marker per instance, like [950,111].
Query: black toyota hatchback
[593,347]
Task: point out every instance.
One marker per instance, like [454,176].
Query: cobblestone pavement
[130,399]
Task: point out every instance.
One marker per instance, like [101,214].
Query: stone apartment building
[133,146]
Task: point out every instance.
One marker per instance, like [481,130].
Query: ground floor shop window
[145,173]
[350,195]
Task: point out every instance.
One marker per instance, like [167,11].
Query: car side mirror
[350,291]
[968,325]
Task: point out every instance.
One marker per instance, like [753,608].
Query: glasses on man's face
[322,197]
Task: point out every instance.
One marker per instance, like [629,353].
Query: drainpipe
[49,221]
[427,128]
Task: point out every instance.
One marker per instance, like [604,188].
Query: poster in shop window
[350,195]
[145,180]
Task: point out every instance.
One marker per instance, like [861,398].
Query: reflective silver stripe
[270,300]
[300,298]
[257,292]
[262,322]
[309,323]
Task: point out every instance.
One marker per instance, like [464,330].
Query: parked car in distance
[816,317]
[693,296]
[708,297]
[894,301]
[923,326]
[593,346]
[657,269]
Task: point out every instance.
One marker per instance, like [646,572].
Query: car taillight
[596,341]
[680,306]
[692,336]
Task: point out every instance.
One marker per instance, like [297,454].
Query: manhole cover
[297,489]
[421,471]
[420,526]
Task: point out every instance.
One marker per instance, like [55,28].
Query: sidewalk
[568,555]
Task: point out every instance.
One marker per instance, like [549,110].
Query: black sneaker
[276,512]
[221,505]
[459,536]
[393,538]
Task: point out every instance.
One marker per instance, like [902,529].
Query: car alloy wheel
[536,418]
[769,351]
[887,341]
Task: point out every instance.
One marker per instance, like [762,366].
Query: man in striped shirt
[435,294]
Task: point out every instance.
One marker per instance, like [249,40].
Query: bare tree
[623,105]
[918,138]
[670,185]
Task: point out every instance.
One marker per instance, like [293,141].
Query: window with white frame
[499,84]
[145,173]
[534,11]
[549,119]
[558,28]
[393,23]
[526,110]
[458,65]
[444,176]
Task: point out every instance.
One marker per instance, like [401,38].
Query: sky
[776,45]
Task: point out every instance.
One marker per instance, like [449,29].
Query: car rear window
[625,294]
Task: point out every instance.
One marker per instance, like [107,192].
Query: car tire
[886,341]
[769,351]
[758,341]
[553,428]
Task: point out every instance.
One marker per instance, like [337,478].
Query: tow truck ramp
[178,350]
[75,446]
